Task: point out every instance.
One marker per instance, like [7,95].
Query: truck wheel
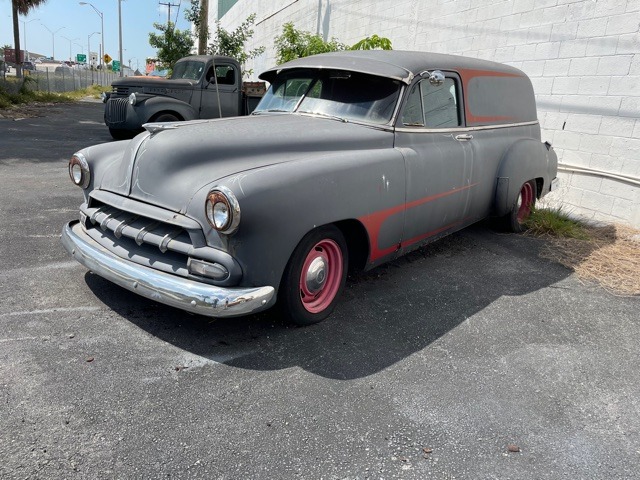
[514,221]
[166,117]
[119,134]
[315,276]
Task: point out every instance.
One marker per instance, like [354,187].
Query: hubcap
[316,274]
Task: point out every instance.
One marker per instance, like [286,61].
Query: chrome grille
[152,237]
[116,110]
[120,91]
[140,229]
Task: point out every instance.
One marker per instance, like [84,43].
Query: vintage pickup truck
[350,160]
[192,92]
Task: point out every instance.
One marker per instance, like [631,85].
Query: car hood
[169,166]
[152,83]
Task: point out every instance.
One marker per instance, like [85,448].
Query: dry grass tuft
[608,255]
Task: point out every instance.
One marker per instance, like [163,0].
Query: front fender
[120,114]
[154,105]
[526,159]
[281,203]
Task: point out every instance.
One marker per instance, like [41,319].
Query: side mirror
[436,78]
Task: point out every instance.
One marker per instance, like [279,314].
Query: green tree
[294,43]
[232,44]
[172,44]
[21,7]
[371,43]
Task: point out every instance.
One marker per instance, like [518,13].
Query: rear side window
[432,106]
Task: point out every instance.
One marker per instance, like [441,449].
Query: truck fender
[154,105]
[526,159]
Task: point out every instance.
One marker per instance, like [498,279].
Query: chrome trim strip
[188,295]
[463,129]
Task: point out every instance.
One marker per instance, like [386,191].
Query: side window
[432,106]
[225,74]
[412,114]
[440,109]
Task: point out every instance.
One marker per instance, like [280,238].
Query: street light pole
[24,31]
[120,33]
[70,42]
[102,27]
[53,40]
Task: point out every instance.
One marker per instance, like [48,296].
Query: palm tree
[21,7]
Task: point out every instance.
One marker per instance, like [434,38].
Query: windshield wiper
[258,112]
[326,115]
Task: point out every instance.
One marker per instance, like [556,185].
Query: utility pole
[203,34]
[169,5]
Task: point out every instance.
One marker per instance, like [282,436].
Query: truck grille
[120,91]
[116,110]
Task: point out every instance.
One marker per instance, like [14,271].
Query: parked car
[192,92]
[4,67]
[63,69]
[350,160]
[29,66]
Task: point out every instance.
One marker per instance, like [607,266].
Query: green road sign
[115,66]
[81,58]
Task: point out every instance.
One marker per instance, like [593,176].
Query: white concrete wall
[583,57]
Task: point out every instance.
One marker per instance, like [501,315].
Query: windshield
[188,70]
[334,93]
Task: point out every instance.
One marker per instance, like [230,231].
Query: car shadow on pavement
[384,316]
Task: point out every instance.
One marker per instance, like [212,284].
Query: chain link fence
[61,79]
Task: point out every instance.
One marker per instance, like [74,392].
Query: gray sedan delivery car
[350,160]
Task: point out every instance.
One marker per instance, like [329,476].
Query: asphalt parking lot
[430,368]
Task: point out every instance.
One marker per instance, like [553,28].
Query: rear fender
[525,160]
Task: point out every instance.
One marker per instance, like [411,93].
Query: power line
[169,5]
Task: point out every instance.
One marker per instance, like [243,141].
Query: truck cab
[200,86]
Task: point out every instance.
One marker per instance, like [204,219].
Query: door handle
[464,137]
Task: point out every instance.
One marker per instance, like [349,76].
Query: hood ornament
[154,128]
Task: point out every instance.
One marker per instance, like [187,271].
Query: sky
[76,22]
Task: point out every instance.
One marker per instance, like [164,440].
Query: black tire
[119,134]
[166,117]
[323,254]
[515,220]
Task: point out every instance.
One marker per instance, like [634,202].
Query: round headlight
[79,170]
[222,210]
[132,99]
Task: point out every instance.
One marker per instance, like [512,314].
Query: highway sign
[115,66]
[107,58]
[81,58]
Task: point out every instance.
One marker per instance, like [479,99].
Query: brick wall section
[583,57]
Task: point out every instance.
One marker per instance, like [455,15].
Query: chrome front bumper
[189,295]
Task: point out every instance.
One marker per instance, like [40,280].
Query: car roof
[396,64]
[206,58]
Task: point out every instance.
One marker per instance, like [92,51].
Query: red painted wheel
[314,276]
[525,202]
[321,276]
[515,220]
